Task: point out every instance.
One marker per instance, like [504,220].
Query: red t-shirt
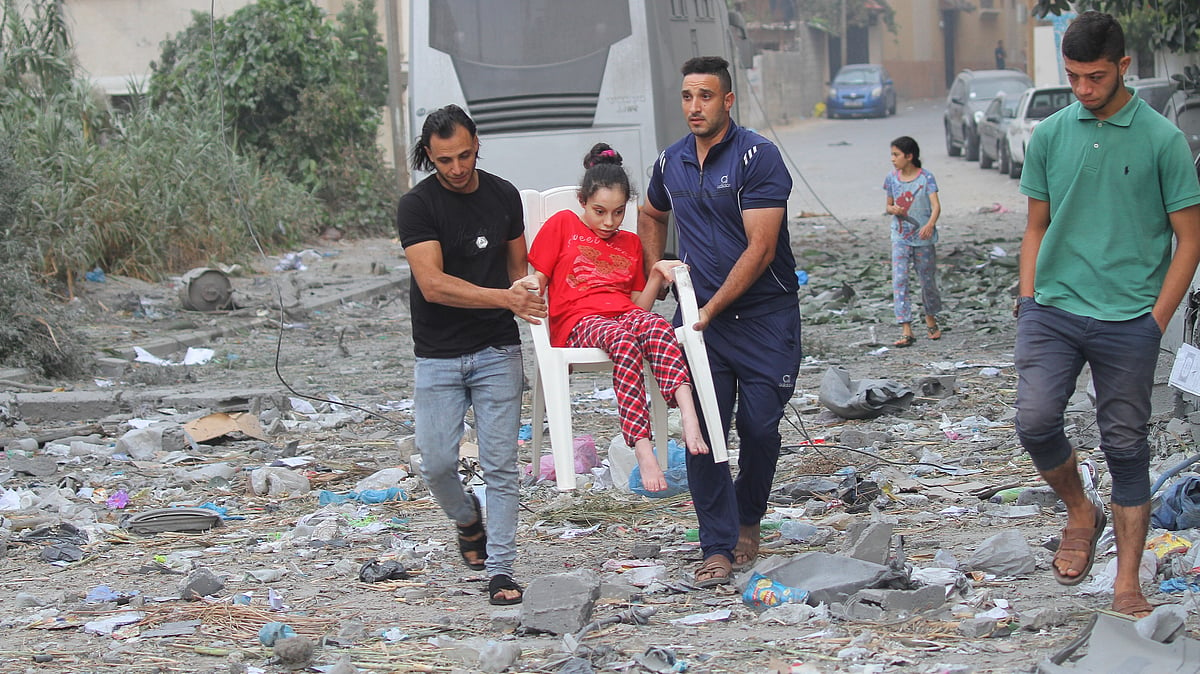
[589,276]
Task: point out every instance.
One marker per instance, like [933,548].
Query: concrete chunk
[977,628]
[561,603]
[201,583]
[68,405]
[904,601]
[828,578]
[869,541]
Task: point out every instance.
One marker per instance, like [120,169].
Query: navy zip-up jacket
[742,172]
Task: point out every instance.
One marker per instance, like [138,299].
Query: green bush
[160,195]
[302,94]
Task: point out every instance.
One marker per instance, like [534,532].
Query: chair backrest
[539,206]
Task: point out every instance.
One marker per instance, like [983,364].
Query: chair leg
[658,420]
[558,412]
[539,416]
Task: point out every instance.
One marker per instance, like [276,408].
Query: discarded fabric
[862,399]
[1180,507]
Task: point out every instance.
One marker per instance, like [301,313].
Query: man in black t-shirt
[463,234]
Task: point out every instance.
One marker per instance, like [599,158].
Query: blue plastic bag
[676,474]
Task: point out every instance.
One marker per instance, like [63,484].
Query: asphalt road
[838,165]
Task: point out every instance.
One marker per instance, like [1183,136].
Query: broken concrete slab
[939,386]
[1037,619]
[903,601]
[200,583]
[561,603]
[978,628]
[828,578]
[69,405]
[1114,646]
[212,399]
[869,541]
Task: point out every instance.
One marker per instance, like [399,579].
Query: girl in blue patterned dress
[912,201]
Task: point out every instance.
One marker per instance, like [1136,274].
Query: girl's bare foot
[652,474]
[693,437]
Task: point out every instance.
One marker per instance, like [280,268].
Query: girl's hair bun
[601,153]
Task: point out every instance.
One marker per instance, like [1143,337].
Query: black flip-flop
[499,583]
[473,538]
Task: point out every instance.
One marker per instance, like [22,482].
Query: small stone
[977,628]
[645,551]
[294,652]
[27,600]
[201,583]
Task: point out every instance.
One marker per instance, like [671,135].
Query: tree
[1173,25]
[300,93]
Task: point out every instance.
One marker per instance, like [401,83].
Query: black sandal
[473,538]
[498,584]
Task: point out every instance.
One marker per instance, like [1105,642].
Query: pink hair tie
[608,153]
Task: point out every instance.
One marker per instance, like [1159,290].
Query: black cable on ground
[240,206]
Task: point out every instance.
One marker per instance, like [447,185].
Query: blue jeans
[1052,346]
[490,381]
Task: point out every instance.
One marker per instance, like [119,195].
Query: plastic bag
[676,474]
[585,459]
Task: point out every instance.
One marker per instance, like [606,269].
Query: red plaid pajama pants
[635,336]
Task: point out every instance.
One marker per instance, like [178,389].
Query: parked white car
[1036,104]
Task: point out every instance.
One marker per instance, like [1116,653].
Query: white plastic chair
[692,341]
[551,387]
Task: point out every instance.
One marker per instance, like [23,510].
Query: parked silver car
[1036,104]
[993,130]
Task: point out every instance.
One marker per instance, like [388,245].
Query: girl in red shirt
[599,296]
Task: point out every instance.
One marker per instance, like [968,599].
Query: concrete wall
[915,55]
[788,84]
[115,40]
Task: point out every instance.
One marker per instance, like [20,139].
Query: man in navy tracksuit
[728,188]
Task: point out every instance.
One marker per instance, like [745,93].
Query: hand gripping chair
[551,387]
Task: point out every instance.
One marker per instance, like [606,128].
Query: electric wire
[240,207]
[792,163]
[809,444]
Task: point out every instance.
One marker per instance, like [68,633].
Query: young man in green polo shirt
[1109,181]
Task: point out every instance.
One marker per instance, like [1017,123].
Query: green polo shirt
[1110,185]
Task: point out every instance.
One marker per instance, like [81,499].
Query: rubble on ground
[206,517]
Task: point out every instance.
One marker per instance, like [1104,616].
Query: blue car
[861,90]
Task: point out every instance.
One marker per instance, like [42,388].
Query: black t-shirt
[474,230]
